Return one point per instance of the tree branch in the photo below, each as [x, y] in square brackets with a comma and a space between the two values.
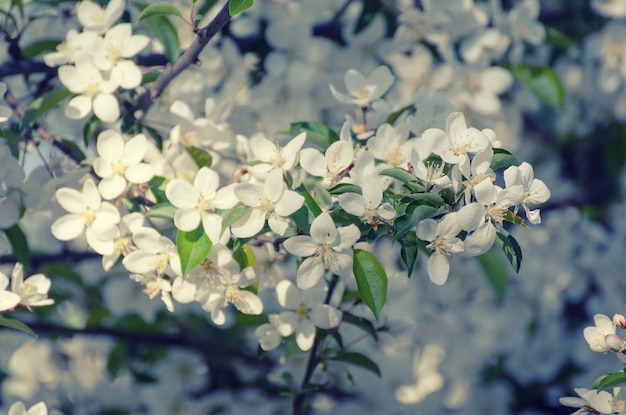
[189, 57]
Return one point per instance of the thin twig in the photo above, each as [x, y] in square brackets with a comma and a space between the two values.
[42, 131]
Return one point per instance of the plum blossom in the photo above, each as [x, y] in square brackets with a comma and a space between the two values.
[95, 18]
[114, 51]
[274, 157]
[8, 299]
[595, 335]
[155, 253]
[391, 144]
[327, 249]
[444, 241]
[337, 158]
[271, 201]
[457, 142]
[197, 203]
[307, 312]
[94, 92]
[119, 162]
[535, 190]
[33, 291]
[590, 401]
[362, 91]
[88, 213]
[368, 206]
[18, 408]
[483, 217]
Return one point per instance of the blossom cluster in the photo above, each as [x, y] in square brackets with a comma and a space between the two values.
[95, 63]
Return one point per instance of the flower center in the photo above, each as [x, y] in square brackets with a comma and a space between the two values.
[88, 216]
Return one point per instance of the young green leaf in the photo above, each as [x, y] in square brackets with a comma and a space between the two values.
[165, 31]
[317, 133]
[42, 105]
[342, 188]
[37, 48]
[17, 325]
[612, 380]
[193, 247]
[510, 247]
[360, 360]
[371, 280]
[543, 81]
[502, 159]
[245, 256]
[201, 157]
[162, 210]
[237, 6]
[159, 9]
[409, 247]
[19, 243]
[495, 272]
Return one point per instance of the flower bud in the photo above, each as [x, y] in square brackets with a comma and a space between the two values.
[615, 342]
[619, 320]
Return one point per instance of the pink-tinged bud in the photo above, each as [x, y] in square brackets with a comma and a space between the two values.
[615, 342]
[619, 320]
[622, 357]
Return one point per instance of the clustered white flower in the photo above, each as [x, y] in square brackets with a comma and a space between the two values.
[96, 62]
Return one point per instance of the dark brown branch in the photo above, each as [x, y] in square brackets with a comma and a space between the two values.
[189, 57]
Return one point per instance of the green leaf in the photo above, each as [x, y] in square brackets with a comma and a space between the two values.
[342, 188]
[371, 280]
[495, 271]
[393, 117]
[37, 48]
[237, 6]
[502, 159]
[159, 9]
[409, 247]
[90, 129]
[401, 174]
[510, 247]
[245, 257]
[317, 133]
[543, 81]
[612, 380]
[166, 33]
[17, 325]
[303, 218]
[42, 105]
[19, 243]
[232, 214]
[360, 322]
[162, 210]
[193, 247]
[360, 360]
[310, 202]
[557, 38]
[201, 157]
[70, 147]
[406, 223]
[149, 77]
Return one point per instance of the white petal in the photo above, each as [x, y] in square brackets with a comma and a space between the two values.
[302, 246]
[78, 107]
[286, 323]
[313, 162]
[289, 203]
[106, 107]
[310, 272]
[471, 216]
[288, 295]
[353, 203]
[187, 219]
[325, 316]
[438, 268]
[479, 241]
[68, 227]
[305, 335]
[323, 229]
[181, 194]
